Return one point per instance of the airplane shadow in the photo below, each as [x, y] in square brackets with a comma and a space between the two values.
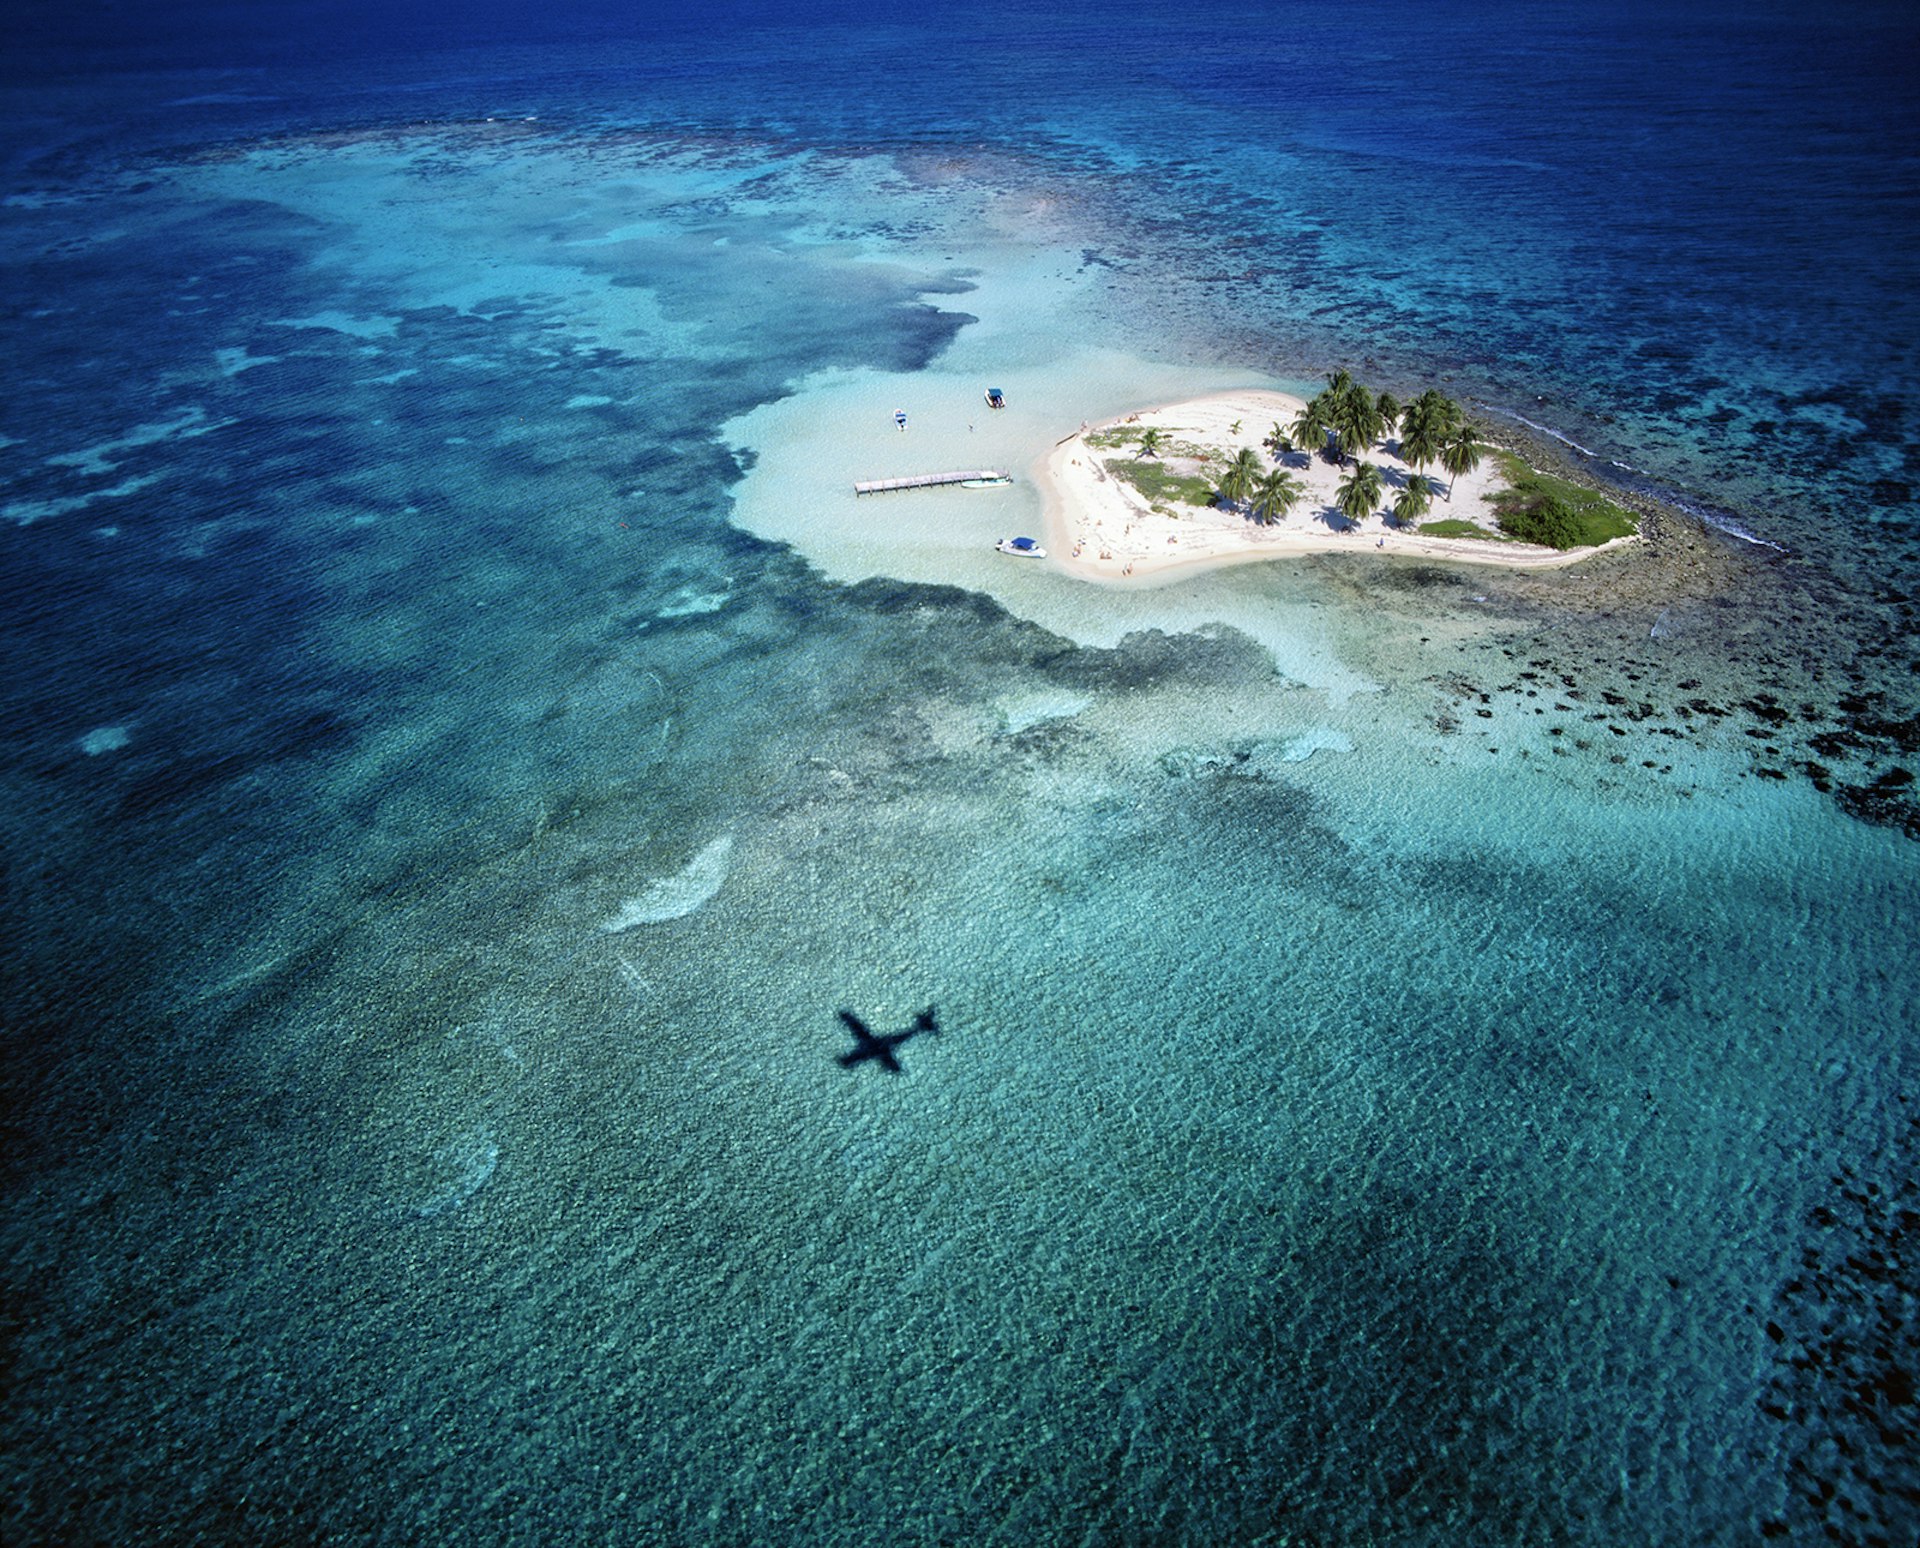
[879, 1046]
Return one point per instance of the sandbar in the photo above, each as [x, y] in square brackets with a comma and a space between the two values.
[1100, 527]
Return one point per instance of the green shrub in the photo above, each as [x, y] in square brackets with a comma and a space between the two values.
[1545, 520]
[1540, 508]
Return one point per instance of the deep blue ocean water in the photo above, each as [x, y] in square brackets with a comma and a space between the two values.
[438, 841]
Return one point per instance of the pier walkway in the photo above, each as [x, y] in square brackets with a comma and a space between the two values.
[926, 480]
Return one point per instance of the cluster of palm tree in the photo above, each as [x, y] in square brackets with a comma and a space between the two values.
[1360, 493]
[1432, 429]
[1270, 492]
[1345, 419]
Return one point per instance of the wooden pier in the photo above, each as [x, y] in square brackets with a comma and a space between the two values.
[927, 480]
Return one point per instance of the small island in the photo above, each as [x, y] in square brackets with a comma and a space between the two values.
[1256, 474]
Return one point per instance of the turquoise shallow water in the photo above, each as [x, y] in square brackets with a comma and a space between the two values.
[1406, 1072]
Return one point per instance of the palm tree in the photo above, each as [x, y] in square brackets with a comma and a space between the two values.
[1329, 400]
[1426, 424]
[1310, 426]
[1150, 441]
[1359, 495]
[1357, 419]
[1389, 407]
[1276, 494]
[1438, 406]
[1417, 426]
[1461, 453]
[1414, 500]
[1277, 441]
[1242, 473]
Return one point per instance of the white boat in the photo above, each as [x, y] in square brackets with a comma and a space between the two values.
[1021, 547]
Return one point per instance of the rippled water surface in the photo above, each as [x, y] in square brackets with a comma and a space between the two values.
[1396, 1054]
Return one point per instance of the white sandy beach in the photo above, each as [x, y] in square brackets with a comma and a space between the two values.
[1099, 527]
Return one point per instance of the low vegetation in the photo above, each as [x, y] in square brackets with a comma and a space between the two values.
[1539, 508]
[1163, 486]
[1453, 527]
[1152, 441]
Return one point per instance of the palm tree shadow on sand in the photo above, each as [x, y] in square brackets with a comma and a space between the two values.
[879, 1046]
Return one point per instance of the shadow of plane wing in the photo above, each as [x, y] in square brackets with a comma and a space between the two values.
[879, 1047]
